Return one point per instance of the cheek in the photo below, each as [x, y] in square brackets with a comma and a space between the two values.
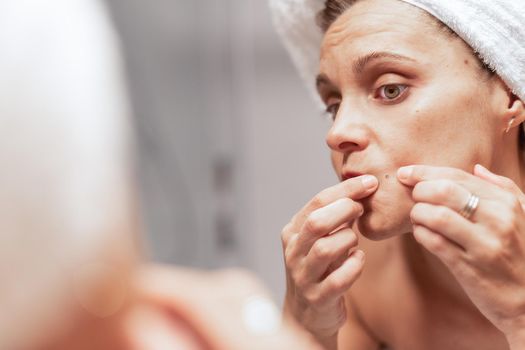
[444, 130]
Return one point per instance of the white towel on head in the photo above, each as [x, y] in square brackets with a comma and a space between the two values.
[493, 28]
[295, 22]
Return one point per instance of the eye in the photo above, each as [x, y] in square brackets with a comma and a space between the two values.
[392, 91]
[332, 110]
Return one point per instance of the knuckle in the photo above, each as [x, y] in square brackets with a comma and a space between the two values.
[459, 175]
[514, 203]
[319, 199]
[507, 183]
[349, 240]
[494, 250]
[289, 256]
[444, 190]
[417, 211]
[419, 190]
[315, 223]
[284, 240]
[442, 216]
[437, 244]
[288, 236]
[505, 224]
[285, 234]
[346, 201]
[505, 228]
[349, 203]
[434, 243]
[289, 252]
[321, 250]
[298, 278]
[335, 285]
[286, 229]
[314, 297]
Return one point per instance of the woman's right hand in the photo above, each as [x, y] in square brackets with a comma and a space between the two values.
[321, 260]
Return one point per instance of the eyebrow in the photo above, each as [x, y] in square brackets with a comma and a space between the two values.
[360, 64]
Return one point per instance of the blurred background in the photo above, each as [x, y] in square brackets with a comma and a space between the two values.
[230, 143]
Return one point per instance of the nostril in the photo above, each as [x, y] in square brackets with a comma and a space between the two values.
[347, 145]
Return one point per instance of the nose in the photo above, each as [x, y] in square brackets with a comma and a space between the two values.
[348, 133]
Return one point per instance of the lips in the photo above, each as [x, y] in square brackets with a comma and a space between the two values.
[350, 174]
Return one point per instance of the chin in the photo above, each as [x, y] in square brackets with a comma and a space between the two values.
[387, 214]
[373, 227]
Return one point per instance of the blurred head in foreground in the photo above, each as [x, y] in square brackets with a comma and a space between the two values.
[65, 194]
[69, 264]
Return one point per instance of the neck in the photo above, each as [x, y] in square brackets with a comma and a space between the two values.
[433, 278]
[509, 161]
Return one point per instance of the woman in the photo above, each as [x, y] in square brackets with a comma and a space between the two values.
[426, 140]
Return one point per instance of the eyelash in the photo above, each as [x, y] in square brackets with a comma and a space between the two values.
[401, 94]
[332, 109]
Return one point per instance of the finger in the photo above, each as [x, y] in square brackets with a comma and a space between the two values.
[325, 220]
[446, 222]
[438, 245]
[329, 250]
[411, 175]
[286, 234]
[500, 181]
[355, 188]
[339, 261]
[339, 281]
[449, 194]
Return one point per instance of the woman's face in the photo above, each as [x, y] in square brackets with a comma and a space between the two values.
[402, 92]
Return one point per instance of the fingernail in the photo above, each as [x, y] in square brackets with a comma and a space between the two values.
[483, 169]
[369, 182]
[404, 173]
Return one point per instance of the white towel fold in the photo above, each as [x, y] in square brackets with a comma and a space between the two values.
[493, 28]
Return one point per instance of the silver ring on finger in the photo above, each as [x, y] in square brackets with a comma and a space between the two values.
[471, 206]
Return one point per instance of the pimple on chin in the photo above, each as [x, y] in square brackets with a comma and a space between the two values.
[385, 177]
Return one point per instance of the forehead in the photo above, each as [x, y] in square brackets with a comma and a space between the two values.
[382, 25]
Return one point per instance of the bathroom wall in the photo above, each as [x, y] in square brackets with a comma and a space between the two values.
[230, 144]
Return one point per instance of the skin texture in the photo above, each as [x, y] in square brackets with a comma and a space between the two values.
[428, 271]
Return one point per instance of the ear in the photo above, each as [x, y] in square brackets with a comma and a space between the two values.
[516, 110]
[510, 106]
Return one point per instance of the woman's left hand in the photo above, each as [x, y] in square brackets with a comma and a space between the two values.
[486, 253]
